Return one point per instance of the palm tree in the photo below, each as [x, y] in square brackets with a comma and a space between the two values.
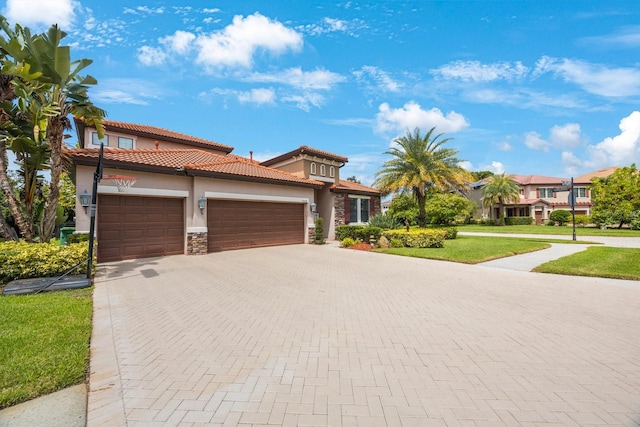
[421, 165]
[48, 88]
[500, 189]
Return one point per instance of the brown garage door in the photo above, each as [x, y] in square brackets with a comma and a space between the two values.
[241, 224]
[131, 227]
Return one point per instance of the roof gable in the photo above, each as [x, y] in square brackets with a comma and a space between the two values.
[303, 149]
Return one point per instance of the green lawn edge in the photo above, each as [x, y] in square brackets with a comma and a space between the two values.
[45, 343]
[597, 261]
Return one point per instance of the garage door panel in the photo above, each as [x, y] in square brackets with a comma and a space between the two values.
[244, 224]
[131, 227]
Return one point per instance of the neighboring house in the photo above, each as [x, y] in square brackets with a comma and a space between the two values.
[193, 196]
[385, 205]
[538, 197]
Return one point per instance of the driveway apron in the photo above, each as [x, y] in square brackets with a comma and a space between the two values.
[318, 335]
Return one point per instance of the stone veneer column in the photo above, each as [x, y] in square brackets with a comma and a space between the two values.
[312, 235]
[338, 204]
[197, 244]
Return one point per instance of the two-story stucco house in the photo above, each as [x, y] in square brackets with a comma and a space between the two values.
[193, 196]
[539, 196]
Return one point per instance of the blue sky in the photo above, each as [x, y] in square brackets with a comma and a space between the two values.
[526, 87]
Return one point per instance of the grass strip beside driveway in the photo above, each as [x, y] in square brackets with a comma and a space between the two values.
[45, 343]
[565, 230]
[472, 249]
[597, 261]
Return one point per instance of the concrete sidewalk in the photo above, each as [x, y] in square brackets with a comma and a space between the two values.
[64, 408]
[530, 260]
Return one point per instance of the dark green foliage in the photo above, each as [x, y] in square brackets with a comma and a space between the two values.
[358, 232]
[384, 221]
[560, 216]
[518, 220]
[445, 208]
[418, 238]
[616, 199]
[78, 238]
[404, 208]
[319, 236]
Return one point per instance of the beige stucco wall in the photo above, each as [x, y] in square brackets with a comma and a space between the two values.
[191, 189]
[140, 142]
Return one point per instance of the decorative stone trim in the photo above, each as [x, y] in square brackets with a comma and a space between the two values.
[311, 233]
[338, 204]
[197, 243]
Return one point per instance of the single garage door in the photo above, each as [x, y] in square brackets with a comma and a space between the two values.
[241, 224]
[131, 227]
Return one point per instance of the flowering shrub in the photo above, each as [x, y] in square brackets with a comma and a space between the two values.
[21, 260]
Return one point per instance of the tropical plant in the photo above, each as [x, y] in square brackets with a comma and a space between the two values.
[421, 165]
[41, 87]
[384, 221]
[319, 231]
[404, 209]
[500, 189]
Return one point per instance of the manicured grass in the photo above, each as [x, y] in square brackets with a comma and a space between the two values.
[543, 229]
[472, 249]
[44, 343]
[597, 261]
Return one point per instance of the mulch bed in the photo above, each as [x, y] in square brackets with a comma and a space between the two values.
[361, 247]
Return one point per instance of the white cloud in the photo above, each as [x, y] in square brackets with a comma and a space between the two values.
[41, 12]
[535, 142]
[628, 37]
[151, 55]
[126, 91]
[622, 149]
[465, 164]
[305, 100]
[258, 96]
[237, 43]
[381, 79]
[309, 80]
[475, 71]
[180, 42]
[332, 25]
[523, 98]
[593, 78]
[566, 136]
[503, 146]
[411, 115]
[495, 167]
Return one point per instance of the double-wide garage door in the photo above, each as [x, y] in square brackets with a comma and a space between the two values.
[131, 227]
[241, 224]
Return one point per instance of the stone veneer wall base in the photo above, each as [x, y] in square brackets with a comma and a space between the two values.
[197, 244]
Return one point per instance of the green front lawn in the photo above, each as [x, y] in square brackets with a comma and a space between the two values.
[472, 249]
[597, 261]
[44, 343]
[566, 230]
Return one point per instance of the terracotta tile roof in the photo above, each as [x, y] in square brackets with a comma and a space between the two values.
[347, 186]
[537, 180]
[303, 149]
[159, 133]
[246, 168]
[600, 173]
[174, 159]
[189, 159]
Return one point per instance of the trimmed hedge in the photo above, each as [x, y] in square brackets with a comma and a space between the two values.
[21, 260]
[358, 232]
[452, 232]
[420, 238]
[77, 238]
[518, 220]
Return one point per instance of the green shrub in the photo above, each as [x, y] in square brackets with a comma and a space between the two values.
[486, 221]
[348, 242]
[420, 238]
[358, 232]
[583, 220]
[21, 260]
[550, 223]
[451, 232]
[319, 236]
[518, 220]
[396, 243]
[78, 238]
[635, 221]
[560, 216]
[384, 221]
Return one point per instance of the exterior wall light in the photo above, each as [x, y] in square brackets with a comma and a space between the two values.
[202, 203]
[312, 206]
[85, 200]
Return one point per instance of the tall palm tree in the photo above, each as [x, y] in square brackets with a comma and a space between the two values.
[500, 189]
[419, 165]
[48, 88]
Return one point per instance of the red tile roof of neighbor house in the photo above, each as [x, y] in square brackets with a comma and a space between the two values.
[348, 186]
[156, 132]
[600, 173]
[189, 160]
[302, 150]
[537, 180]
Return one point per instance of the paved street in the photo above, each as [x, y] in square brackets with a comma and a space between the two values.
[317, 335]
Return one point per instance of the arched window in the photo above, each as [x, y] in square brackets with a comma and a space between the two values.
[332, 171]
[313, 168]
[323, 170]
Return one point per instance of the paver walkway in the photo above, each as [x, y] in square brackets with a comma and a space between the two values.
[308, 335]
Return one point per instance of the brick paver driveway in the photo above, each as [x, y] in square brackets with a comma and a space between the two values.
[308, 335]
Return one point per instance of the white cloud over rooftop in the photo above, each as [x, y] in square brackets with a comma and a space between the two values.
[411, 115]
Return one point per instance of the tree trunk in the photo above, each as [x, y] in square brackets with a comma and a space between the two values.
[24, 225]
[422, 213]
[501, 212]
[55, 131]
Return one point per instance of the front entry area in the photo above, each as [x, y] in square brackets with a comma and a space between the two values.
[235, 224]
[131, 227]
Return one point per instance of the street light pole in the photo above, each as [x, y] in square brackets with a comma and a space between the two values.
[572, 199]
[97, 176]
